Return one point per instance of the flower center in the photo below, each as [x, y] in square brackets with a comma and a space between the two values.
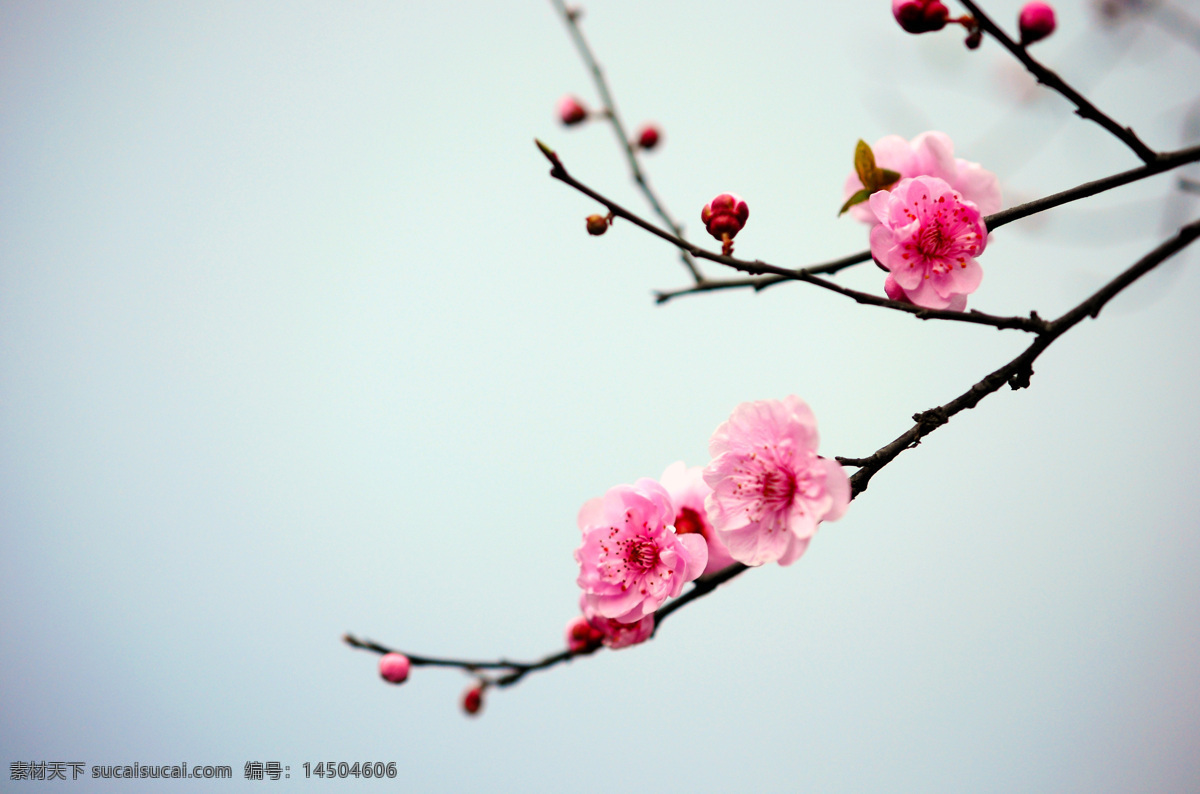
[778, 488]
[688, 521]
[931, 240]
[644, 553]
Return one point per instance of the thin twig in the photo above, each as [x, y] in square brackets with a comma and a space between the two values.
[1046, 77]
[1031, 324]
[610, 110]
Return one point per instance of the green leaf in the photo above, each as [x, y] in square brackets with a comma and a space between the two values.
[857, 198]
[887, 178]
[864, 163]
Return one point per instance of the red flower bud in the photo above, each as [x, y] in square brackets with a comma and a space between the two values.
[571, 110]
[1036, 21]
[725, 215]
[648, 137]
[597, 224]
[920, 16]
[472, 700]
[394, 667]
[582, 637]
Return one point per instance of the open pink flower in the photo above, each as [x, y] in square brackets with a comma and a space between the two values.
[770, 488]
[631, 559]
[688, 490]
[929, 154]
[928, 237]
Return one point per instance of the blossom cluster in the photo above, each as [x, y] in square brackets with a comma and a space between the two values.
[758, 501]
[927, 227]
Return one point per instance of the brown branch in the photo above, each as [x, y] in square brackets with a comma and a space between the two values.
[1018, 372]
[571, 19]
[1046, 77]
[758, 268]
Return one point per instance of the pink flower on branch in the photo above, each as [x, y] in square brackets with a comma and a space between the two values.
[929, 154]
[928, 237]
[770, 488]
[631, 560]
[688, 490]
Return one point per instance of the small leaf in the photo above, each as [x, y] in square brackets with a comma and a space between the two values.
[857, 198]
[887, 178]
[864, 163]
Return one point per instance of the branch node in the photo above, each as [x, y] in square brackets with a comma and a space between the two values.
[1020, 379]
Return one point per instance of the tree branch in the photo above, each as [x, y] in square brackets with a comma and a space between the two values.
[1046, 77]
[571, 19]
[1018, 372]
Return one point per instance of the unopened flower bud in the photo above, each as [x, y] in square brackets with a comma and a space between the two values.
[648, 137]
[974, 39]
[394, 667]
[571, 110]
[472, 700]
[920, 16]
[582, 637]
[725, 215]
[597, 224]
[1036, 21]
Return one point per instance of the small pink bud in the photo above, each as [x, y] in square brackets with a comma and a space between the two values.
[920, 16]
[571, 110]
[582, 637]
[394, 667]
[1036, 21]
[472, 700]
[648, 137]
[725, 215]
[597, 224]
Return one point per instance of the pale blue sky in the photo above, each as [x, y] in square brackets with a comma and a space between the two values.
[297, 337]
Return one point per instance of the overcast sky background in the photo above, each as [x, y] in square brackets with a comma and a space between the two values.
[297, 337]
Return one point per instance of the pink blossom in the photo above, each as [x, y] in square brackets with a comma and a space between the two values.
[928, 237]
[929, 154]
[631, 559]
[688, 490]
[770, 488]
[958, 302]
